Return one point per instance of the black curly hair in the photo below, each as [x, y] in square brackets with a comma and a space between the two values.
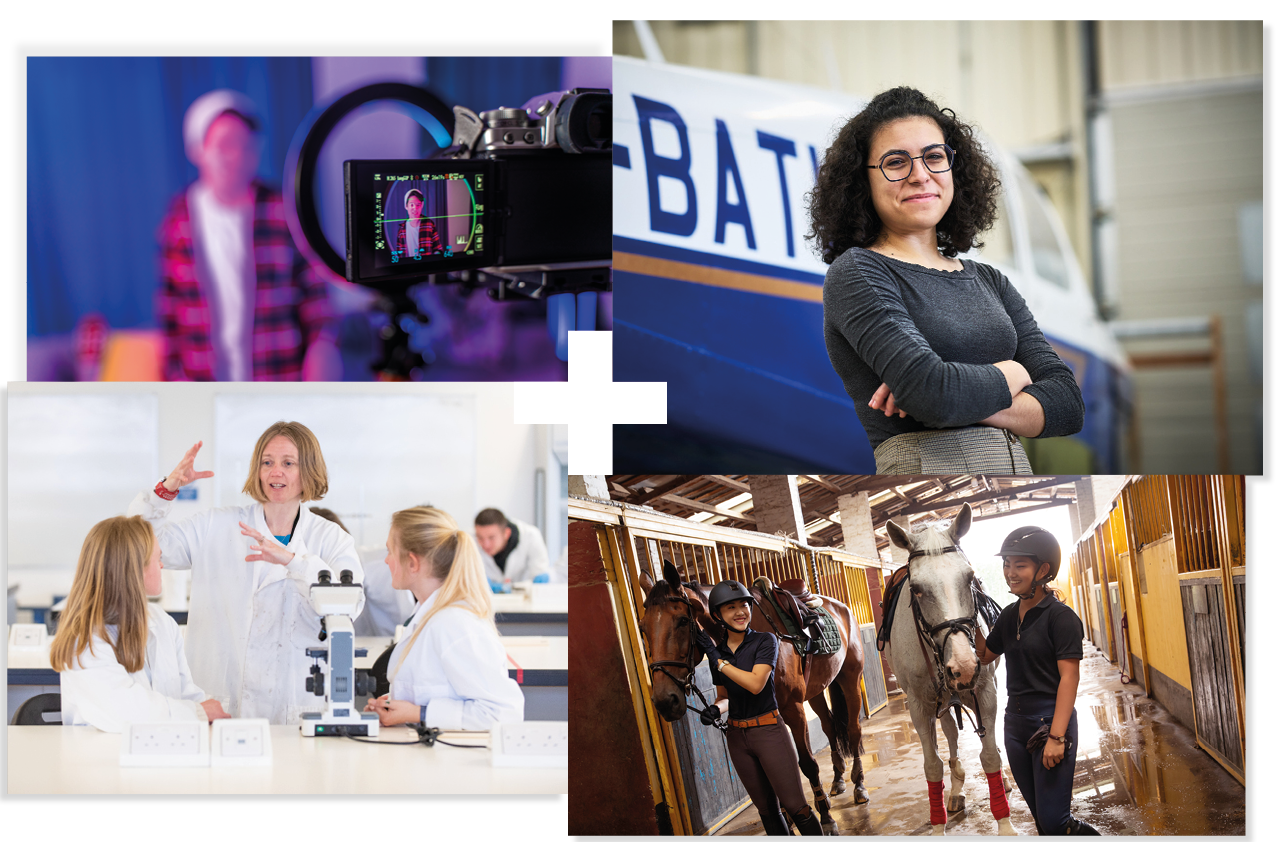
[840, 204]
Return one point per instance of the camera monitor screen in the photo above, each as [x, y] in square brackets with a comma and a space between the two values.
[416, 217]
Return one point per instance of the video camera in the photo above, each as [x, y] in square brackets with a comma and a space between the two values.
[520, 202]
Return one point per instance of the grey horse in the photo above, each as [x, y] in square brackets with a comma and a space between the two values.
[932, 651]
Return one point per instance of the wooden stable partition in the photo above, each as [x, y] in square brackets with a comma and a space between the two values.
[1161, 587]
[689, 785]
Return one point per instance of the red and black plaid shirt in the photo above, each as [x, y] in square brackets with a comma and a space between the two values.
[290, 307]
[427, 239]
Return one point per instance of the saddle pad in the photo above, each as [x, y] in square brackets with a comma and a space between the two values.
[830, 641]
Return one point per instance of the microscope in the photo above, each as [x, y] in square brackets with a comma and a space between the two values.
[339, 684]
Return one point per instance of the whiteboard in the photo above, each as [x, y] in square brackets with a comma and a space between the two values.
[384, 453]
[73, 461]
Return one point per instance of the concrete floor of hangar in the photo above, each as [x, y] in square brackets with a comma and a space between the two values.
[1139, 772]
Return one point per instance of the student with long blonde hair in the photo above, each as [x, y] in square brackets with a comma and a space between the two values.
[121, 658]
[449, 671]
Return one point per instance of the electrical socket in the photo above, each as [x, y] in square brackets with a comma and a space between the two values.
[27, 635]
[543, 744]
[165, 744]
[241, 742]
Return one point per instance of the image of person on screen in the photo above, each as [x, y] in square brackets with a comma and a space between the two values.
[236, 301]
[417, 236]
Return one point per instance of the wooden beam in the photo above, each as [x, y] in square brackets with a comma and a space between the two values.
[728, 482]
[705, 507]
[932, 506]
[1021, 511]
[679, 483]
[826, 484]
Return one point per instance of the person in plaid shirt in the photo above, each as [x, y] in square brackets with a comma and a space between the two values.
[427, 240]
[236, 299]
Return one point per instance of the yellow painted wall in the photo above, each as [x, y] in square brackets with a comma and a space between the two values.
[1131, 592]
[1164, 615]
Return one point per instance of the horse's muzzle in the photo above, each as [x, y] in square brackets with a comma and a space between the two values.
[670, 706]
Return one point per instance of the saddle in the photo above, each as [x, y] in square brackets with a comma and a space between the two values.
[891, 594]
[799, 609]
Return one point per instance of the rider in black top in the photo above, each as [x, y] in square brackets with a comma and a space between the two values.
[1043, 641]
[759, 742]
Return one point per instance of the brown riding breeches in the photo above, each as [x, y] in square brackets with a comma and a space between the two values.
[768, 763]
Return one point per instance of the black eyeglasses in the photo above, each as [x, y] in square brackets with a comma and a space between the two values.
[897, 166]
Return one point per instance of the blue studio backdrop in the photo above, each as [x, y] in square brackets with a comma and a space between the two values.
[105, 158]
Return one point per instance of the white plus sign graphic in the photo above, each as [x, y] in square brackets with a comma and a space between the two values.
[590, 402]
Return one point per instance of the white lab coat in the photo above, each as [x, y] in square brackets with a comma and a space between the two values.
[250, 622]
[529, 558]
[457, 668]
[385, 608]
[97, 690]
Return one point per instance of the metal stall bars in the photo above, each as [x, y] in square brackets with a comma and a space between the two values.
[847, 578]
[1207, 521]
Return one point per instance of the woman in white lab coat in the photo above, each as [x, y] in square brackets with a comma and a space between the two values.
[450, 670]
[250, 617]
[121, 658]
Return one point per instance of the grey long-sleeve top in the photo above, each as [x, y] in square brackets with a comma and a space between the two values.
[933, 336]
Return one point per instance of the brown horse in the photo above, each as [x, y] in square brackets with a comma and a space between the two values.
[671, 610]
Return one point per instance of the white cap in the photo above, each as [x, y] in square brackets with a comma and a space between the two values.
[208, 108]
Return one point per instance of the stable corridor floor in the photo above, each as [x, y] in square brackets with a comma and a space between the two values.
[1139, 773]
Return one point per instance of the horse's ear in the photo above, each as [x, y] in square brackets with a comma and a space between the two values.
[694, 596]
[897, 535]
[645, 582]
[671, 575]
[962, 523]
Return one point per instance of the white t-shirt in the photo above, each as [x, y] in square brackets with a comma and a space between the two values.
[411, 234]
[225, 237]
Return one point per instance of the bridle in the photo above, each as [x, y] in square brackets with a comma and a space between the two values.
[687, 664]
[966, 625]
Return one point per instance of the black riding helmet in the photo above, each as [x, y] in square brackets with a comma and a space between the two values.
[1037, 543]
[727, 591]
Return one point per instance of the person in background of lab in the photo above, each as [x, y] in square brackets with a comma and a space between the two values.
[417, 236]
[449, 671]
[250, 623]
[120, 657]
[513, 550]
[236, 300]
[384, 608]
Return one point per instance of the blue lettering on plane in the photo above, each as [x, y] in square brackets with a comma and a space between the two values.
[781, 147]
[679, 169]
[737, 213]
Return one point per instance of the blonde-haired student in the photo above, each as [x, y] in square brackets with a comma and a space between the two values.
[121, 659]
[449, 671]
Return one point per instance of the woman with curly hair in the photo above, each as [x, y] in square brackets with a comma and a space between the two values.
[942, 356]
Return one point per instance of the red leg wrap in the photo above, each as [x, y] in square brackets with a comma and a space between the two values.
[936, 798]
[998, 798]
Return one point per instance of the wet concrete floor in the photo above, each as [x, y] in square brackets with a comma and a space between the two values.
[1139, 772]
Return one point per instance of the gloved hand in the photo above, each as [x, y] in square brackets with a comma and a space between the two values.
[710, 716]
[541, 578]
[706, 642]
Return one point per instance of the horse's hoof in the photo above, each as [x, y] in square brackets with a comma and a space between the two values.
[938, 830]
[957, 803]
[829, 828]
[1005, 827]
[859, 795]
[838, 788]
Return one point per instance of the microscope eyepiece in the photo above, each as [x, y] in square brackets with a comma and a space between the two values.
[348, 578]
[325, 577]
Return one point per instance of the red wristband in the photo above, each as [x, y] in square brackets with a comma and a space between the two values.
[163, 493]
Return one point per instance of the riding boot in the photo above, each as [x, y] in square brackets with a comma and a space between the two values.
[809, 825]
[1078, 827]
[775, 825]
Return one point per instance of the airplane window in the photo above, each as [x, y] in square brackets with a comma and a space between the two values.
[1049, 261]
